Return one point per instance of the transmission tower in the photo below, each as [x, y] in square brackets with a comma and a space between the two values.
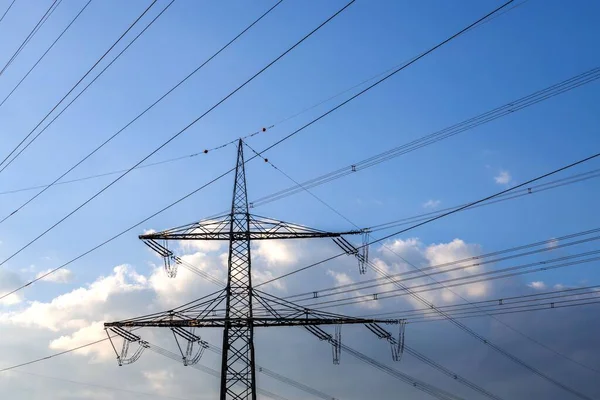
[239, 308]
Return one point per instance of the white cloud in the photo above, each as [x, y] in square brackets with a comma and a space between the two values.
[421, 256]
[61, 276]
[72, 309]
[205, 246]
[8, 282]
[503, 178]
[159, 380]
[432, 203]
[559, 286]
[342, 278]
[277, 253]
[537, 285]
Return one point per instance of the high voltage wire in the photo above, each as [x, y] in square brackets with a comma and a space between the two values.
[198, 153]
[468, 280]
[95, 385]
[508, 300]
[554, 243]
[230, 170]
[576, 163]
[484, 340]
[7, 10]
[413, 352]
[6, 162]
[488, 116]
[593, 299]
[37, 26]
[179, 133]
[90, 154]
[450, 317]
[295, 189]
[378, 282]
[45, 52]
[576, 178]
[500, 304]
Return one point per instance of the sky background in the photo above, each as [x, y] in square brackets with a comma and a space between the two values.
[535, 45]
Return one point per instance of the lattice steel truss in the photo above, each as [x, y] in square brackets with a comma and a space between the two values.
[233, 308]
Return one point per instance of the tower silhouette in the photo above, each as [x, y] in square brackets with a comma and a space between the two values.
[234, 308]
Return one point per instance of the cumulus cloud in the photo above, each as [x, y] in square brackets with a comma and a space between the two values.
[9, 281]
[277, 253]
[413, 253]
[503, 178]
[366, 301]
[74, 308]
[61, 276]
[432, 203]
[537, 285]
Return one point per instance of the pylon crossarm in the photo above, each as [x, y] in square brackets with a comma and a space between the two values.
[259, 228]
[200, 308]
[279, 320]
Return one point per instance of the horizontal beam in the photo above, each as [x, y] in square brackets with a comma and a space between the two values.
[252, 235]
[242, 322]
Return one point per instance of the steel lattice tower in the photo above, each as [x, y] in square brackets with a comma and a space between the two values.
[238, 316]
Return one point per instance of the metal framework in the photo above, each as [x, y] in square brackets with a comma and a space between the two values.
[239, 308]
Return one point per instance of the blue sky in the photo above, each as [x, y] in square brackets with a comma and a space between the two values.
[529, 48]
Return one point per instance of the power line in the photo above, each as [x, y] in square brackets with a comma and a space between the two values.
[479, 309]
[45, 52]
[4, 162]
[480, 119]
[148, 156]
[379, 282]
[486, 341]
[274, 196]
[95, 385]
[244, 137]
[413, 352]
[39, 24]
[584, 160]
[466, 280]
[177, 134]
[7, 10]
[534, 189]
[226, 172]
[90, 154]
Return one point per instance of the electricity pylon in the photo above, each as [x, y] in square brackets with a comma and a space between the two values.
[233, 308]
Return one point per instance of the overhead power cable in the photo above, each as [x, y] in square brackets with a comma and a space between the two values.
[550, 263]
[508, 300]
[543, 246]
[507, 109]
[486, 341]
[6, 162]
[464, 280]
[152, 153]
[183, 157]
[7, 10]
[488, 116]
[421, 357]
[104, 143]
[524, 184]
[534, 189]
[37, 26]
[45, 52]
[224, 173]
[450, 317]
[98, 386]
